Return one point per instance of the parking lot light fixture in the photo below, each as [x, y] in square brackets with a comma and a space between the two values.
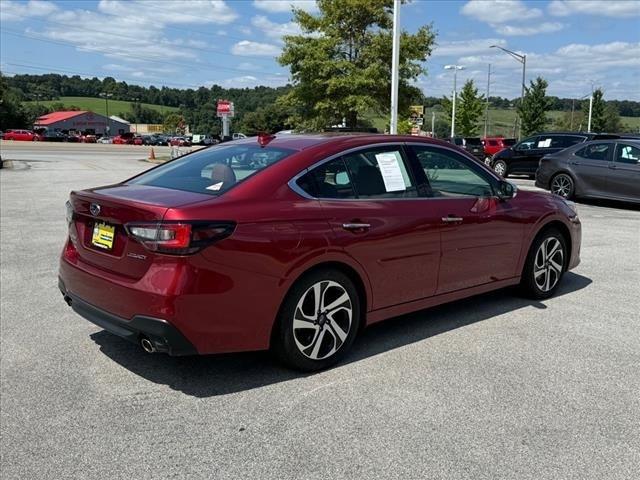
[455, 69]
[106, 97]
[523, 60]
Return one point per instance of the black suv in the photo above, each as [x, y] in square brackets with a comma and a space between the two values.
[523, 158]
[473, 145]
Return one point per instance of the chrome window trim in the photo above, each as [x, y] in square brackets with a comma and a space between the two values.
[294, 186]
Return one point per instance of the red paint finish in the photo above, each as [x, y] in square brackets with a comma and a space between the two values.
[226, 296]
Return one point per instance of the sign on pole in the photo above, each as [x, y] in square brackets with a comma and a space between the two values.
[225, 108]
[416, 114]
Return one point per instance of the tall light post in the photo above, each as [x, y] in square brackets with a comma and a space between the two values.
[395, 63]
[106, 97]
[455, 69]
[523, 60]
[137, 100]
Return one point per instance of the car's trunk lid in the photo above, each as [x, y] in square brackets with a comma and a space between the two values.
[105, 211]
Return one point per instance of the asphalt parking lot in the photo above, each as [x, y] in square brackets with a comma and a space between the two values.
[491, 387]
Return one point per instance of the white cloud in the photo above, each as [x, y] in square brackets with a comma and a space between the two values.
[520, 30]
[275, 30]
[13, 11]
[285, 6]
[249, 48]
[500, 11]
[606, 8]
[466, 47]
[509, 17]
[247, 66]
[184, 11]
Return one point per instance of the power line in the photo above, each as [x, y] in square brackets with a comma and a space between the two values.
[111, 52]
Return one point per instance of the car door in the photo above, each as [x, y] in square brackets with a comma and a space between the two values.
[481, 236]
[590, 166]
[522, 156]
[624, 173]
[370, 199]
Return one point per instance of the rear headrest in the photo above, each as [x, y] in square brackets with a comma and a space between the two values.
[221, 173]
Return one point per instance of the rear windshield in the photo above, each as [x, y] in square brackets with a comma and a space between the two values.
[472, 141]
[212, 170]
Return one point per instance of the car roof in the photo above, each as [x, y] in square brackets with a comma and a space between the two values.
[304, 141]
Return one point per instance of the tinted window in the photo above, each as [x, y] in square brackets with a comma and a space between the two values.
[476, 142]
[509, 142]
[329, 180]
[527, 144]
[212, 170]
[595, 151]
[570, 140]
[493, 143]
[380, 173]
[449, 174]
[628, 154]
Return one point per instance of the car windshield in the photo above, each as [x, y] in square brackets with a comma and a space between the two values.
[212, 170]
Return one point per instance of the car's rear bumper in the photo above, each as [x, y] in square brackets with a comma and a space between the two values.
[164, 336]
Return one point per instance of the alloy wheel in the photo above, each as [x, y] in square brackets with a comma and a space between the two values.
[562, 185]
[322, 320]
[548, 264]
[500, 168]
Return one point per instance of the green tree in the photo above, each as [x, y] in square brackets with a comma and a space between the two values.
[172, 122]
[469, 108]
[12, 115]
[268, 119]
[341, 63]
[612, 121]
[533, 111]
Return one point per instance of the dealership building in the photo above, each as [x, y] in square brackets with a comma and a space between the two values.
[81, 121]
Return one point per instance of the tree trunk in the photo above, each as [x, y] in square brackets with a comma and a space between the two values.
[352, 119]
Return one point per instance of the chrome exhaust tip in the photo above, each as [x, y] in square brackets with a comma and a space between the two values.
[147, 346]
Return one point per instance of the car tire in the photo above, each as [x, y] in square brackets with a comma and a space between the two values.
[310, 339]
[545, 265]
[563, 185]
[501, 168]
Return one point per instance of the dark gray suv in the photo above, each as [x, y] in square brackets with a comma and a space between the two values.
[597, 169]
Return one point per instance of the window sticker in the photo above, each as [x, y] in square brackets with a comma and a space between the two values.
[390, 170]
[215, 186]
[546, 143]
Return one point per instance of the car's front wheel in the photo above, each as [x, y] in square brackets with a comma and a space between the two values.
[318, 321]
[500, 167]
[545, 265]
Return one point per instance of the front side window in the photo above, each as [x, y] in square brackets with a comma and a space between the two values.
[451, 175]
[212, 170]
[380, 173]
[595, 151]
[628, 154]
[527, 144]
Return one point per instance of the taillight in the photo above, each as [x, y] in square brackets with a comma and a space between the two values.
[179, 238]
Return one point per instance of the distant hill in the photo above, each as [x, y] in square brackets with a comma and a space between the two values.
[97, 105]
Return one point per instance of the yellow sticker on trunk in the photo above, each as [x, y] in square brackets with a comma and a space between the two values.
[103, 235]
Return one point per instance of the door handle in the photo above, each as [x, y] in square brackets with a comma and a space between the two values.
[452, 219]
[356, 226]
[574, 163]
[613, 167]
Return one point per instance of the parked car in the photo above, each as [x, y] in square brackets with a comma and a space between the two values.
[597, 169]
[523, 158]
[493, 145]
[238, 136]
[20, 135]
[137, 140]
[88, 138]
[179, 142]
[53, 136]
[161, 140]
[473, 145]
[321, 236]
[105, 140]
[123, 139]
[74, 137]
[203, 140]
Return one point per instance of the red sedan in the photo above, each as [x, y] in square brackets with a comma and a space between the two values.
[21, 135]
[296, 242]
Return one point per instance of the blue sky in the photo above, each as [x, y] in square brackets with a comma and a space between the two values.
[574, 44]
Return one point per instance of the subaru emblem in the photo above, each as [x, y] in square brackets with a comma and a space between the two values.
[94, 208]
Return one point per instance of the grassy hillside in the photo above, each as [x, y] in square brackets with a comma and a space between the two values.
[501, 121]
[97, 105]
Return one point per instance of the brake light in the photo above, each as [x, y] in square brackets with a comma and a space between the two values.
[179, 238]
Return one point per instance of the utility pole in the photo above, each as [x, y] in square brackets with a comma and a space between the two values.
[590, 111]
[395, 63]
[523, 60]
[106, 102]
[433, 124]
[486, 108]
[455, 69]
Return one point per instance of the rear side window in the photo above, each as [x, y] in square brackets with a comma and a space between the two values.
[329, 180]
[212, 170]
[595, 151]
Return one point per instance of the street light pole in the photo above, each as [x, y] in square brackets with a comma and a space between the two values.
[590, 111]
[395, 63]
[106, 103]
[455, 69]
[523, 60]
[486, 107]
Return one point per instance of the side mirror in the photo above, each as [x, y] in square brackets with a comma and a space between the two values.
[507, 190]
